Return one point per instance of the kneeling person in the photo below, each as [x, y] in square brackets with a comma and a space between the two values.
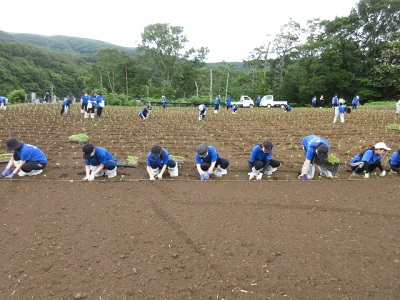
[28, 160]
[98, 162]
[158, 160]
[209, 162]
[261, 161]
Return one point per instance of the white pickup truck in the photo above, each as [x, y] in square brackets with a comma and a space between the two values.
[245, 101]
[268, 101]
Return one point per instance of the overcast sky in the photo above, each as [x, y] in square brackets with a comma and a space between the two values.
[230, 29]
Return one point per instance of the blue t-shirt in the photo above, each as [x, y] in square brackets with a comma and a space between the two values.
[314, 100]
[310, 143]
[202, 107]
[258, 100]
[369, 156]
[395, 158]
[143, 113]
[342, 109]
[65, 102]
[228, 101]
[335, 100]
[93, 100]
[102, 155]
[258, 154]
[164, 100]
[162, 160]
[31, 153]
[218, 100]
[212, 156]
[2, 99]
[100, 99]
[355, 101]
[85, 99]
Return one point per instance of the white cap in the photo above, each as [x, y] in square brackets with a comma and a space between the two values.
[381, 145]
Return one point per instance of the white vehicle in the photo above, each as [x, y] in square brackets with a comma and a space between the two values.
[268, 101]
[245, 101]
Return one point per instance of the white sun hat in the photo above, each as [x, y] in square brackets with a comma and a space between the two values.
[381, 145]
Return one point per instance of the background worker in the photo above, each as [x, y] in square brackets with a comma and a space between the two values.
[202, 109]
[84, 102]
[28, 160]
[368, 160]
[394, 162]
[209, 162]
[144, 113]
[98, 162]
[64, 107]
[314, 146]
[261, 161]
[158, 161]
[217, 103]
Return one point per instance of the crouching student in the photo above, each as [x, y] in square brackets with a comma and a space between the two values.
[144, 114]
[209, 162]
[202, 112]
[98, 162]
[368, 160]
[158, 161]
[28, 160]
[314, 146]
[64, 107]
[395, 162]
[261, 161]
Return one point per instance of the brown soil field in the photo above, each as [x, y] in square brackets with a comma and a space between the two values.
[182, 238]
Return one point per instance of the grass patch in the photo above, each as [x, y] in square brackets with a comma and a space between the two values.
[80, 138]
[393, 127]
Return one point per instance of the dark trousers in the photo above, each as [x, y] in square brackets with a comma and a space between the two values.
[222, 162]
[171, 164]
[395, 168]
[99, 111]
[367, 167]
[84, 106]
[110, 164]
[29, 165]
[260, 164]
[216, 107]
[63, 109]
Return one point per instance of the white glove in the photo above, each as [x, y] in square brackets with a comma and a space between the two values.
[86, 178]
[259, 176]
[251, 175]
[383, 173]
[366, 175]
[91, 177]
[159, 176]
[152, 177]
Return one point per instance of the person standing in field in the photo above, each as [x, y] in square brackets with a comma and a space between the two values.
[394, 162]
[209, 162]
[84, 102]
[228, 102]
[321, 101]
[314, 146]
[202, 112]
[314, 102]
[158, 161]
[2, 103]
[91, 106]
[28, 160]
[398, 109]
[100, 103]
[368, 160]
[164, 102]
[355, 102]
[217, 103]
[261, 161]
[335, 101]
[98, 162]
[258, 101]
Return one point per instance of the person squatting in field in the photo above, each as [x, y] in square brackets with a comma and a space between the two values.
[394, 162]
[217, 103]
[98, 162]
[158, 160]
[261, 161]
[84, 102]
[368, 160]
[28, 160]
[314, 146]
[64, 107]
[235, 109]
[144, 113]
[209, 162]
[340, 111]
[91, 106]
[202, 109]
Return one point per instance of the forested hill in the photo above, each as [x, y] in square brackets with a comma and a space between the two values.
[61, 43]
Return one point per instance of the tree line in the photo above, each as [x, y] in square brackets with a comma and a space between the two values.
[354, 55]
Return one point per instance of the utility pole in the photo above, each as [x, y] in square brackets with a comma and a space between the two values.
[52, 94]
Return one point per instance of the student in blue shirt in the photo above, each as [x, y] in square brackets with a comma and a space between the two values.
[209, 162]
[92, 103]
[144, 113]
[84, 102]
[98, 162]
[100, 103]
[235, 109]
[202, 108]
[258, 101]
[339, 112]
[288, 108]
[395, 162]
[261, 161]
[228, 103]
[164, 102]
[28, 160]
[355, 102]
[158, 161]
[3, 103]
[64, 107]
[335, 101]
[368, 160]
[217, 103]
[314, 146]
[314, 101]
